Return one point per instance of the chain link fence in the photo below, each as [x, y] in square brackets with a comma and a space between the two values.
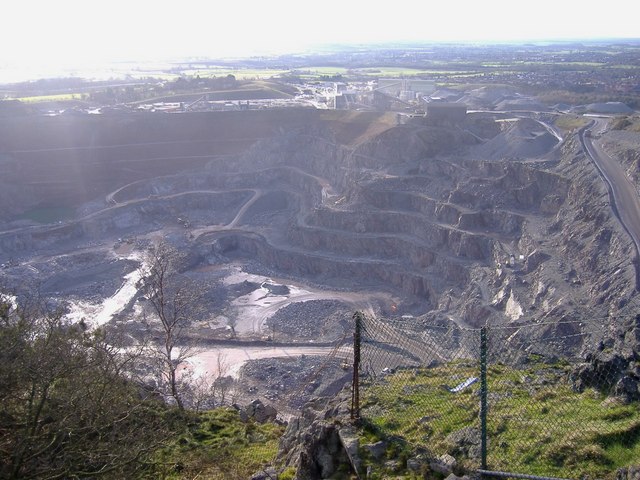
[503, 401]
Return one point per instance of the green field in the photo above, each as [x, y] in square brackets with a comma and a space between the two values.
[62, 97]
[240, 73]
[571, 122]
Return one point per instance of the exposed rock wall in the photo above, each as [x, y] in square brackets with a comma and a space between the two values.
[414, 209]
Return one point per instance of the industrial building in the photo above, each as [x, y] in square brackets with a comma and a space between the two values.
[406, 89]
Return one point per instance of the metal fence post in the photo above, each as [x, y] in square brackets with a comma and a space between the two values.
[355, 386]
[483, 397]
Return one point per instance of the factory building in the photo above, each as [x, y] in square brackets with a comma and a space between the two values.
[405, 88]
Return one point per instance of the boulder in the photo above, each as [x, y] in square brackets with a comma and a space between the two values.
[316, 447]
[628, 473]
[268, 473]
[259, 412]
[453, 476]
[627, 388]
[376, 450]
[465, 442]
[602, 371]
[414, 464]
[443, 464]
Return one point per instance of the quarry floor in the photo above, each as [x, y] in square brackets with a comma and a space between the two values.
[286, 250]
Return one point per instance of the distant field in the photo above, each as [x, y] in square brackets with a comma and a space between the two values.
[240, 74]
[52, 98]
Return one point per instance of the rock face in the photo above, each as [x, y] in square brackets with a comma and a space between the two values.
[358, 202]
[613, 367]
[314, 446]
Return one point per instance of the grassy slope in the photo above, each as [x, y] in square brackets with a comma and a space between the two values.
[537, 424]
[217, 445]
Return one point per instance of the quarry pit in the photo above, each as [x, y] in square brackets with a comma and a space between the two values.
[294, 219]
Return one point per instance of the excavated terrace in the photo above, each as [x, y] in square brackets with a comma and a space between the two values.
[392, 215]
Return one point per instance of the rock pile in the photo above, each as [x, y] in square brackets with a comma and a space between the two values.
[257, 411]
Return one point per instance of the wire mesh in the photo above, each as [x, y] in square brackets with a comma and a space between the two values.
[552, 408]
[421, 383]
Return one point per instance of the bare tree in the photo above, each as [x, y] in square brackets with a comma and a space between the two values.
[174, 302]
[232, 323]
[221, 382]
[210, 390]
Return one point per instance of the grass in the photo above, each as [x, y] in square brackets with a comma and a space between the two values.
[240, 74]
[536, 425]
[46, 215]
[218, 446]
[571, 122]
[62, 97]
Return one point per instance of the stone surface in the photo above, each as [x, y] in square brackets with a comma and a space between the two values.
[268, 473]
[393, 465]
[443, 464]
[376, 450]
[259, 412]
[628, 473]
[414, 464]
[465, 442]
[350, 442]
[453, 476]
[313, 443]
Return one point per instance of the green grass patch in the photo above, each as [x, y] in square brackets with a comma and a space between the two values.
[240, 74]
[218, 445]
[571, 122]
[61, 97]
[47, 215]
[537, 424]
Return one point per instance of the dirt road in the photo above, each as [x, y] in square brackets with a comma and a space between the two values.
[624, 197]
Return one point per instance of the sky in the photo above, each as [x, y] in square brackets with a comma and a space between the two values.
[46, 34]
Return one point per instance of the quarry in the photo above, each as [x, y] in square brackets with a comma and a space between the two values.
[294, 219]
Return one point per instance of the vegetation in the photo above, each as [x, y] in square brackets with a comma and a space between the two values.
[60, 97]
[49, 214]
[218, 445]
[571, 122]
[537, 424]
[73, 404]
[68, 408]
[631, 124]
[570, 97]
[174, 302]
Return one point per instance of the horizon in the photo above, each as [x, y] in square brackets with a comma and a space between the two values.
[121, 68]
[65, 36]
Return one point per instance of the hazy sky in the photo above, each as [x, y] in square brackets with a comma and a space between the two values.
[51, 33]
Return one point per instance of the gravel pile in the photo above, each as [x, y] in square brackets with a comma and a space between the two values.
[293, 381]
[320, 320]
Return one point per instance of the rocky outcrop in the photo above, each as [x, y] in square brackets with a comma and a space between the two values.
[414, 210]
[257, 411]
[614, 367]
[628, 473]
[312, 443]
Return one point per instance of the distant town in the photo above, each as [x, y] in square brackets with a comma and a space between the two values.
[397, 78]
